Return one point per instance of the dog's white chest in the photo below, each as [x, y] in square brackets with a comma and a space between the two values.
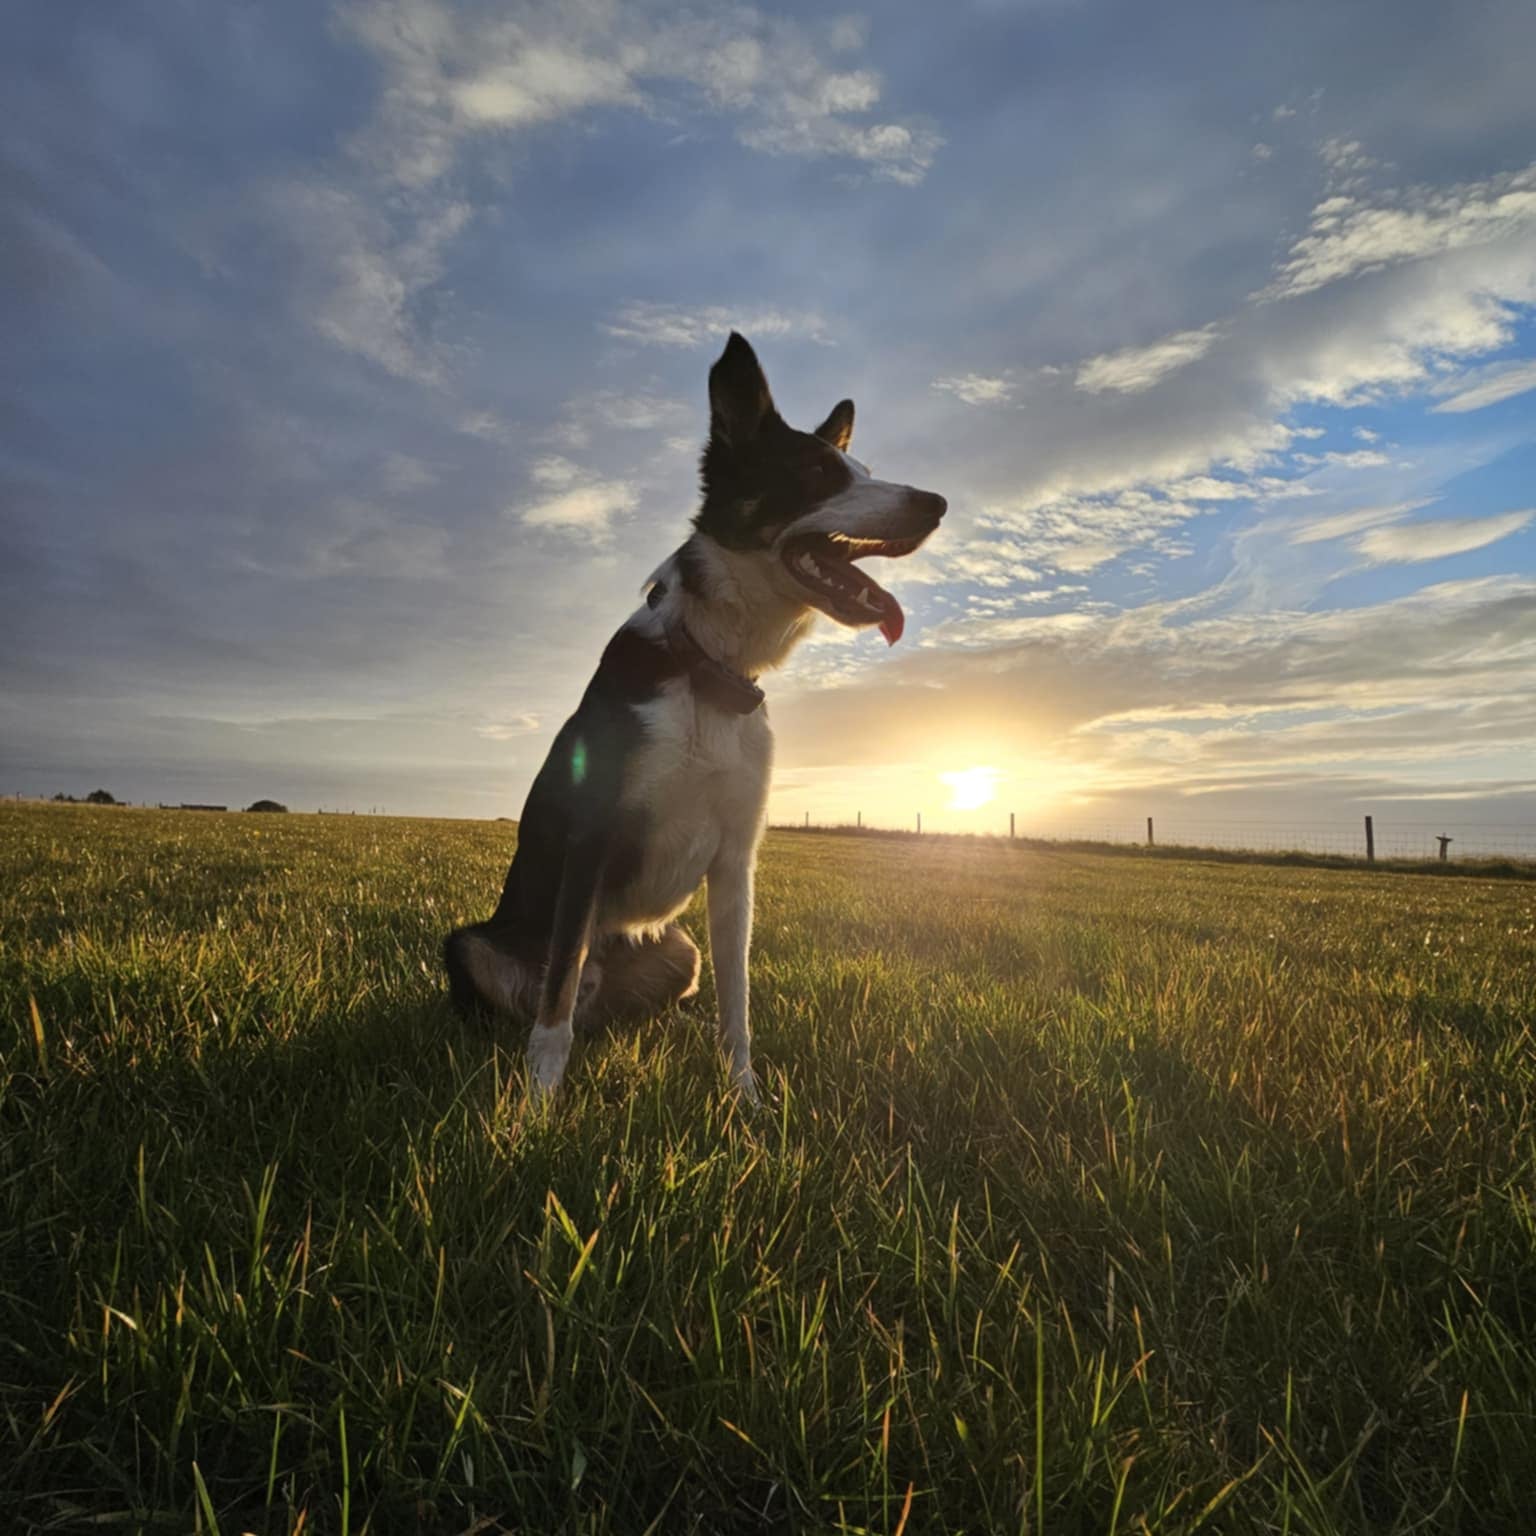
[701, 783]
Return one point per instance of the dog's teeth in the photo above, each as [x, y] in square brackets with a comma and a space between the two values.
[866, 600]
[809, 566]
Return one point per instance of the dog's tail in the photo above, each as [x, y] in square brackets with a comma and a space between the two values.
[484, 973]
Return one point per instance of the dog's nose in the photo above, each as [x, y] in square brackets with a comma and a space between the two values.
[929, 504]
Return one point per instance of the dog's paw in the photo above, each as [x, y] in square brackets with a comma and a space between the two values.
[549, 1048]
[744, 1081]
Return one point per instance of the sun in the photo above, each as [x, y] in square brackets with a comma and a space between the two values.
[970, 788]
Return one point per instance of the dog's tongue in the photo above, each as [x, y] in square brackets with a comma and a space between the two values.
[872, 595]
[876, 599]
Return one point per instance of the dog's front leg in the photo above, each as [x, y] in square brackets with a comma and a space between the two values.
[730, 939]
[549, 1045]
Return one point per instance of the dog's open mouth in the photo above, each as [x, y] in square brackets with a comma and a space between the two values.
[823, 564]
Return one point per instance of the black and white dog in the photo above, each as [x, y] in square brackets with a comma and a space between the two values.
[660, 778]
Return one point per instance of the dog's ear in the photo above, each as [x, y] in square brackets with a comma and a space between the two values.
[837, 429]
[739, 401]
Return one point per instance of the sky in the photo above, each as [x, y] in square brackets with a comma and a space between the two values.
[353, 381]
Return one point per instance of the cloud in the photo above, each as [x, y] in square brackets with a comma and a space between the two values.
[1350, 234]
[1338, 524]
[678, 325]
[353, 538]
[485, 425]
[374, 235]
[583, 504]
[1088, 477]
[976, 388]
[640, 411]
[454, 76]
[1209, 488]
[540, 84]
[1389, 334]
[1487, 386]
[1137, 368]
[1359, 458]
[363, 269]
[1078, 534]
[1437, 539]
[1165, 695]
[508, 730]
[555, 470]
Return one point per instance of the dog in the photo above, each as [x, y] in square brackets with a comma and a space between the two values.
[659, 781]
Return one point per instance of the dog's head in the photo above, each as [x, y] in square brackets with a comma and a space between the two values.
[798, 499]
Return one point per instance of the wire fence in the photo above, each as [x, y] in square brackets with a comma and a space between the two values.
[1374, 836]
[1369, 837]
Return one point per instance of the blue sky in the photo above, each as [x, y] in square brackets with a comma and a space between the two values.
[353, 381]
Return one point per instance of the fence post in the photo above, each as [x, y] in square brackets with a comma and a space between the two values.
[1370, 842]
[1010, 826]
[807, 818]
[859, 818]
[1150, 842]
[919, 823]
[1445, 843]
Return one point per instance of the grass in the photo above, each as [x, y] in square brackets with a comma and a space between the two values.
[1094, 1194]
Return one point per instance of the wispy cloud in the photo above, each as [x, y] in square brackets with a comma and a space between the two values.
[1339, 524]
[1435, 540]
[680, 325]
[1134, 369]
[508, 730]
[363, 267]
[1357, 458]
[976, 388]
[1357, 233]
[1481, 387]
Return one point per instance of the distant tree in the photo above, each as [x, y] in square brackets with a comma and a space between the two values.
[64, 799]
[100, 797]
[267, 805]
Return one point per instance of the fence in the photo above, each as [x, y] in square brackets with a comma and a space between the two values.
[1370, 837]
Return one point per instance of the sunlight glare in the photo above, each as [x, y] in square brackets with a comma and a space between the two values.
[970, 788]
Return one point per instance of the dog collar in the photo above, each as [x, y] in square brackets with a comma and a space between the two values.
[713, 681]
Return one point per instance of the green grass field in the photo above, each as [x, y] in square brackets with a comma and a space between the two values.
[1091, 1194]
